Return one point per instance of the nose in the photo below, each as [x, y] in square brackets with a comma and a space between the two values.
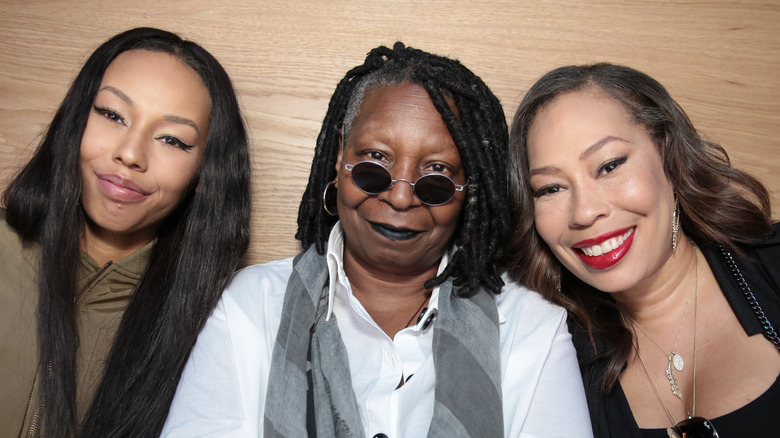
[401, 193]
[587, 206]
[131, 150]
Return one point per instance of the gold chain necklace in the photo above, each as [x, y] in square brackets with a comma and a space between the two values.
[692, 412]
[675, 359]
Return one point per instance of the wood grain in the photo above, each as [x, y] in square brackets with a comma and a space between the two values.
[719, 59]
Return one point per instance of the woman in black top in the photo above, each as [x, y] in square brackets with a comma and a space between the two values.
[662, 252]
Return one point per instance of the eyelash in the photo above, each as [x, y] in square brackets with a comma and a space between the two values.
[612, 165]
[607, 168]
[546, 190]
[109, 114]
[167, 139]
[434, 168]
[173, 141]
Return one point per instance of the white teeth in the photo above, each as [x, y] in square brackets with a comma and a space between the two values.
[607, 245]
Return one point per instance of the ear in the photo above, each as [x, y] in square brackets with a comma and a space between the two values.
[341, 153]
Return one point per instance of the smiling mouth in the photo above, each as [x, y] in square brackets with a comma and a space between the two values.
[607, 246]
[393, 233]
[606, 254]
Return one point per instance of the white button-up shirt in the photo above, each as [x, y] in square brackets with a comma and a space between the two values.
[222, 390]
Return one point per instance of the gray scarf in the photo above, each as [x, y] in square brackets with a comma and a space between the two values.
[310, 388]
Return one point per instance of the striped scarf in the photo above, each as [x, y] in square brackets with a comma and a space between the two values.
[310, 390]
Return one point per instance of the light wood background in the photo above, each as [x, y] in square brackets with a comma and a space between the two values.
[719, 59]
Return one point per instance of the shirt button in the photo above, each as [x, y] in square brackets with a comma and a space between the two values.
[380, 435]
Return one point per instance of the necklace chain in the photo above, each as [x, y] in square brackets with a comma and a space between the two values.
[675, 358]
[692, 413]
[679, 330]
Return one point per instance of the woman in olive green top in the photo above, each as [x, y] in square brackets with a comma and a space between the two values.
[118, 237]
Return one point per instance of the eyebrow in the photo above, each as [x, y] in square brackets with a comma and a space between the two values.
[119, 93]
[598, 145]
[182, 121]
[592, 149]
[168, 117]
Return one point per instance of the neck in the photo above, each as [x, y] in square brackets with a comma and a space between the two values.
[392, 299]
[660, 299]
[105, 247]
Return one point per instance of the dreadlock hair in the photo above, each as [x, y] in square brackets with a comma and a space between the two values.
[718, 203]
[478, 128]
[198, 246]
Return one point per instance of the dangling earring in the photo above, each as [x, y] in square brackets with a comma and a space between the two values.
[325, 198]
[675, 224]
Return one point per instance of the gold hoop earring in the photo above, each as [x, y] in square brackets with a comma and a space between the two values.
[675, 224]
[325, 198]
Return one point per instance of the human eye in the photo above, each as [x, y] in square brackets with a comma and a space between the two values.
[438, 168]
[549, 189]
[376, 156]
[109, 114]
[611, 165]
[175, 142]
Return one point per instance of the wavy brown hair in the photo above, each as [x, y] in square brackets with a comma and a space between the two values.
[718, 203]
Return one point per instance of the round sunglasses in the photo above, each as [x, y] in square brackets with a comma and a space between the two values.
[432, 188]
[694, 427]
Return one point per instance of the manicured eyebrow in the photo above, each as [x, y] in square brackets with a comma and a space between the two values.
[546, 170]
[182, 121]
[169, 117]
[598, 145]
[119, 93]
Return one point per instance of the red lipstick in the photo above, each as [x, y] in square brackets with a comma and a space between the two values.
[608, 259]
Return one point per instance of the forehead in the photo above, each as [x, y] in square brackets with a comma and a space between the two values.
[158, 81]
[579, 114]
[400, 114]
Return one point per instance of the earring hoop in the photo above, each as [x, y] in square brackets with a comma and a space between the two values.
[325, 198]
[675, 224]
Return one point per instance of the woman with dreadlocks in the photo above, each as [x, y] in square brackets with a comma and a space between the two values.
[392, 322]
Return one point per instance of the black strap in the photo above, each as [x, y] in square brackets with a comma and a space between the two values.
[769, 330]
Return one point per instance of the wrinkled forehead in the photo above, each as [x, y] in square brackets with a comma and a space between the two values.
[373, 82]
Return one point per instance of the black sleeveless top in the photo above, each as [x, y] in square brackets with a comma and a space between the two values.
[610, 414]
[757, 418]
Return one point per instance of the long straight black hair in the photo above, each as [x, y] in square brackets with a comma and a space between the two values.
[198, 247]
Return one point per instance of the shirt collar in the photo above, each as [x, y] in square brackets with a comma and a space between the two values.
[337, 277]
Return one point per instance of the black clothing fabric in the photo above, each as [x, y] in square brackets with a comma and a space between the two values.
[760, 266]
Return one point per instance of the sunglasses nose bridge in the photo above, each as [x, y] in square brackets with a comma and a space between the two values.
[394, 180]
[412, 190]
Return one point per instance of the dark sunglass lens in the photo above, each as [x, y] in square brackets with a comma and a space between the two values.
[696, 427]
[434, 189]
[371, 177]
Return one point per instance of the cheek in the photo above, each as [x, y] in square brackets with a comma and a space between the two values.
[549, 220]
[447, 214]
[89, 146]
[348, 196]
[176, 176]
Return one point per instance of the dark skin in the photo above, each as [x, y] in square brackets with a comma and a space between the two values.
[393, 242]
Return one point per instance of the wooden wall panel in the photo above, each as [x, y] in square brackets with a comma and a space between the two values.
[719, 59]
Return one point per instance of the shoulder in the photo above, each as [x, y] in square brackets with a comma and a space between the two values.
[265, 275]
[768, 249]
[519, 302]
[526, 317]
[16, 257]
[9, 240]
[257, 291]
